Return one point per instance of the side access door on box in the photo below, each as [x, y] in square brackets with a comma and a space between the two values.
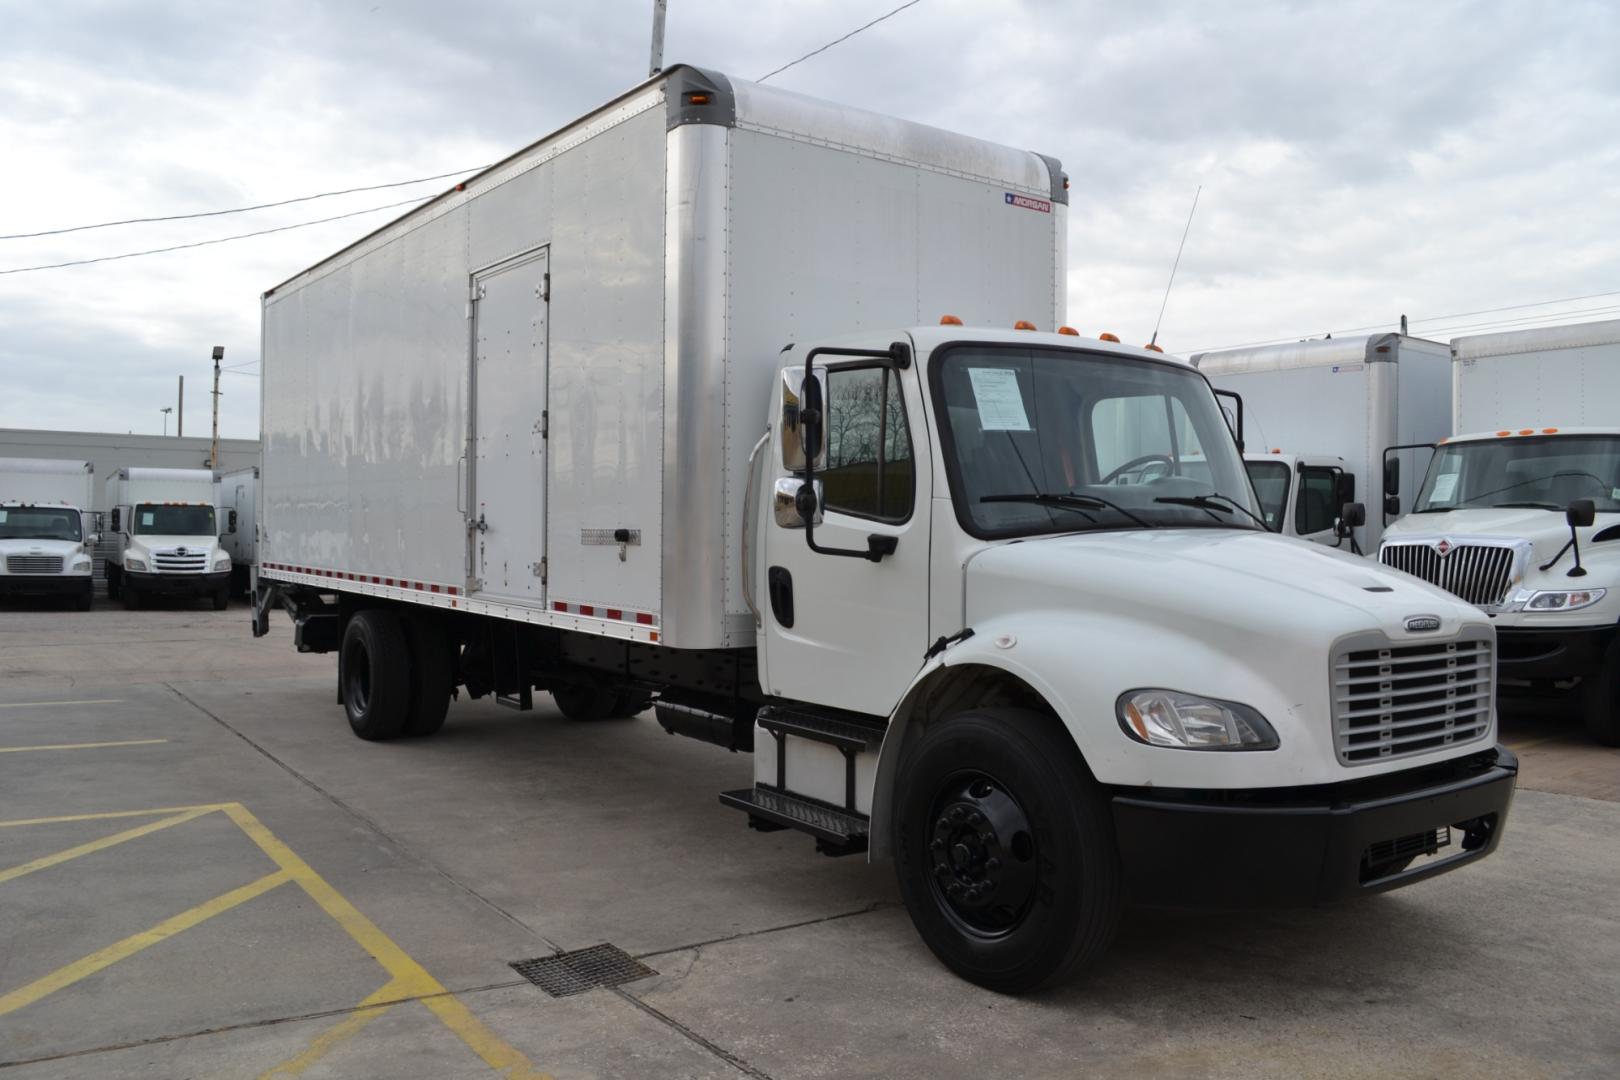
[506, 514]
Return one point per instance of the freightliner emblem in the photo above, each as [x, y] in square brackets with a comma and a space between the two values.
[1419, 623]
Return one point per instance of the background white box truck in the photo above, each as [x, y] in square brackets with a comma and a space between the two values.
[166, 534]
[663, 406]
[46, 541]
[237, 496]
[1520, 509]
[1351, 397]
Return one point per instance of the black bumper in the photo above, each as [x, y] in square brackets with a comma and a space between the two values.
[1555, 653]
[176, 584]
[1302, 847]
[46, 585]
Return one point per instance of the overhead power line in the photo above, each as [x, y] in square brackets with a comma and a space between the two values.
[237, 209]
[216, 240]
[839, 41]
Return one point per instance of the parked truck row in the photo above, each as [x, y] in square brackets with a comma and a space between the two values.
[762, 409]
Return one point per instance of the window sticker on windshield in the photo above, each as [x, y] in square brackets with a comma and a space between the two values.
[1001, 405]
[146, 517]
[1445, 485]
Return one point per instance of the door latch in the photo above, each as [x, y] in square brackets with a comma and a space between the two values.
[481, 525]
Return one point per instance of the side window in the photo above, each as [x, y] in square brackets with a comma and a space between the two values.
[869, 471]
[1317, 506]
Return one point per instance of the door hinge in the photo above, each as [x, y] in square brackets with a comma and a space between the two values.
[545, 423]
[545, 287]
[540, 569]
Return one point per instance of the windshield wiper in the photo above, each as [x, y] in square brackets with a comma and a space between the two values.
[1523, 506]
[1207, 502]
[1066, 501]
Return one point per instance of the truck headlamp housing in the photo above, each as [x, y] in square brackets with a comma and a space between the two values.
[1564, 600]
[137, 565]
[223, 563]
[81, 565]
[1189, 722]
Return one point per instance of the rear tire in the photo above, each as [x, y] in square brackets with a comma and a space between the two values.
[375, 661]
[1004, 849]
[583, 702]
[1600, 699]
[114, 584]
[432, 676]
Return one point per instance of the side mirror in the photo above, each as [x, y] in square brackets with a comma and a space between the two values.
[1347, 488]
[1392, 506]
[1352, 516]
[1392, 476]
[786, 502]
[1580, 513]
[232, 521]
[811, 418]
[117, 517]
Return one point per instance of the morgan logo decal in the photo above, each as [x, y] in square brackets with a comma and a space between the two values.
[1028, 203]
[1443, 548]
[1418, 624]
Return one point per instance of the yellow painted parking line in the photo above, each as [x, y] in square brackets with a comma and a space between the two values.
[505, 1059]
[101, 845]
[163, 931]
[44, 704]
[367, 1011]
[81, 745]
[107, 815]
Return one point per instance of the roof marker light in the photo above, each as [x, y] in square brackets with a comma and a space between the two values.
[697, 99]
[1150, 347]
[1069, 330]
[1549, 431]
[949, 320]
[1527, 431]
[1108, 337]
[1023, 324]
[1499, 434]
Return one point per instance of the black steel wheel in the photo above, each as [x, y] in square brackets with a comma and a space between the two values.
[1004, 849]
[375, 671]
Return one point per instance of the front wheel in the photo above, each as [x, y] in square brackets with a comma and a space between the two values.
[222, 599]
[1004, 849]
[1600, 699]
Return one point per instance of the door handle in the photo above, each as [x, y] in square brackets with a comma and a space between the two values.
[481, 525]
[461, 477]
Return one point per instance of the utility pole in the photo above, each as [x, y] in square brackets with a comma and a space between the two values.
[657, 38]
[180, 418]
[213, 455]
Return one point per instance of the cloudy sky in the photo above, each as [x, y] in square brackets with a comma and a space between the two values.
[1358, 160]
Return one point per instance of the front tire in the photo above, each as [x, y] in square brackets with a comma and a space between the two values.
[375, 661]
[1005, 850]
[222, 599]
[132, 600]
[86, 598]
[1600, 699]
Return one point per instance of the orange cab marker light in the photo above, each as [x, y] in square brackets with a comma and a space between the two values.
[1108, 337]
[949, 320]
[1527, 431]
[1150, 347]
[1549, 431]
[1023, 324]
[1069, 330]
[697, 99]
[1499, 434]
[1276, 449]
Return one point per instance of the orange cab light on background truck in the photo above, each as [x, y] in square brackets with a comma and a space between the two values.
[949, 320]
[1069, 330]
[1023, 324]
[1108, 337]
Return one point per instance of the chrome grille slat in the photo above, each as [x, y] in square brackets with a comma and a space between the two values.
[1479, 573]
[33, 564]
[1391, 701]
[192, 562]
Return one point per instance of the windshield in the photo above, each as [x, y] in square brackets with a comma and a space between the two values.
[1270, 480]
[165, 520]
[39, 523]
[1548, 472]
[1128, 433]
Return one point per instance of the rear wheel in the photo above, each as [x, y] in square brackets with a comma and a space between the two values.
[113, 583]
[585, 701]
[432, 676]
[1004, 849]
[375, 662]
[1600, 699]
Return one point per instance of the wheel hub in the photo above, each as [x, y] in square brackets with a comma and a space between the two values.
[983, 851]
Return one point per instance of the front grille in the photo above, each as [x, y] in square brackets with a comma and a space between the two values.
[1479, 573]
[33, 564]
[169, 562]
[1400, 700]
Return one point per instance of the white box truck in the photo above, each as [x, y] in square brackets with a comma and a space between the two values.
[1519, 511]
[166, 533]
[1350, 397]
[677, 404]
[236, 494]
[46, 541]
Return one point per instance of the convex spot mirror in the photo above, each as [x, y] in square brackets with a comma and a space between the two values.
[1580, 513]
[1351, 517]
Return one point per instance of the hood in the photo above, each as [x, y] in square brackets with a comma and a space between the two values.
[1546, 530]
[65, 548]
[1240, 588]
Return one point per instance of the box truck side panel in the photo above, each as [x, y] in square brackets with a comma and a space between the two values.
[1562, 375]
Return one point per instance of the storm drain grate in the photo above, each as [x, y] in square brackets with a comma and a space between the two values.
[581, 970]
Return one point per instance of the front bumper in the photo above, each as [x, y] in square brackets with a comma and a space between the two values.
[46, 584]
[176, 584]
[1551, 653]
[1301, 847]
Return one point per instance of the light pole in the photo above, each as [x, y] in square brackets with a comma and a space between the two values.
[213, 455]
[166, 410]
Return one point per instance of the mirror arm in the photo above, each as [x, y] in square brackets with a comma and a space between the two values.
[877, 545]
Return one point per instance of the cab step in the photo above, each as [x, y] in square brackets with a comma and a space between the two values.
[850, 732]
[837, 832]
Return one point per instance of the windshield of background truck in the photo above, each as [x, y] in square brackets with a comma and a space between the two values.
[1270, 480]
[1052, 421]
[1533, 471]
[39, 523]
[163, 520]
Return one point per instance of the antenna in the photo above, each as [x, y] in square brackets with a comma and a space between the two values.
[1155, 339]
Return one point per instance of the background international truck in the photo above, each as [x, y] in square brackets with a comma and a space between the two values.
[236, 494]
[1519, 511]
[47, 542]
[1349, 397]
[166, 536]
[678, 403]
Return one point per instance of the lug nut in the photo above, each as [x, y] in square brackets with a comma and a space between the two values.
[975, 818]
[992, 863]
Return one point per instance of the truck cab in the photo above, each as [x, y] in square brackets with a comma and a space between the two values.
[1302, 495]
[46, 540]
[167, 534]
[1523, 522]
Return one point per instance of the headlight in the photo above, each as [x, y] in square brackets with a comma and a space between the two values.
[1171, 718]
[138, 565]
[81, 565]
[222, 564]
[1572, 600]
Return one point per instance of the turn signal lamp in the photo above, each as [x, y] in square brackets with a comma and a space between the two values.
[1108, 337]
[949, 320]
[1150, 347]
[1069, 330]
[1023, 324]
[697, 99]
